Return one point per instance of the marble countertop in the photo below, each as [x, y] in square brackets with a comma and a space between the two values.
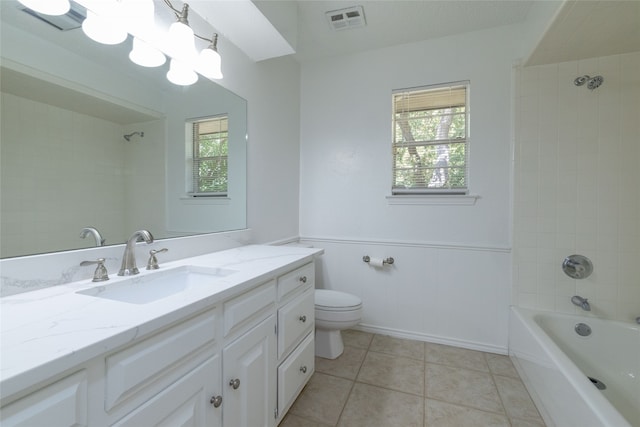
[52, 330]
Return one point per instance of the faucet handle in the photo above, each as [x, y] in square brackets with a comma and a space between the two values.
[100, 275]
[152, 264]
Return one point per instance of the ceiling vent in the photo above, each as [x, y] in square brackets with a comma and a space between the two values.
[350, 17]
[69, 21]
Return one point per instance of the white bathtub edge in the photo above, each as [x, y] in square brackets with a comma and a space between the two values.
[594, 402]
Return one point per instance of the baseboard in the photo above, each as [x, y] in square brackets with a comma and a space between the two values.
[398, 333]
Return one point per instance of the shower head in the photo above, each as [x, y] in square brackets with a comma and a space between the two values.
[128, 137]
[592, 82]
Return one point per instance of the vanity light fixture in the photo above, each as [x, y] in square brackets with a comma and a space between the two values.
[48, 7]
[182, 39]
[111, 21]
[209, 60]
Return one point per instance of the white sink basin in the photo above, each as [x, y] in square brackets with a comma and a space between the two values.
[162, 284]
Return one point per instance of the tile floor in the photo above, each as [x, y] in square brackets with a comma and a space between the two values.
[391, 382]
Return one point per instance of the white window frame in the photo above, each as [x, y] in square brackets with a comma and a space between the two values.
[421, 193]
[193, 159]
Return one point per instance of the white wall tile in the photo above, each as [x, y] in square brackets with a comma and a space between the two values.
[593, 207]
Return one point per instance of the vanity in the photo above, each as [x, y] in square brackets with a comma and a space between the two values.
[223, 339]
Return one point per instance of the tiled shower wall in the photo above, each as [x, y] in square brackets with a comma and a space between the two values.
[577, 185]
[49, 188]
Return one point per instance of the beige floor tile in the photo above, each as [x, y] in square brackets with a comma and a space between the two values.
[516, 399]
[345, 366]
[462, 386]
[501, 365]
[295, 421]
[442, 414]
[398, 346]
[370, 406]
[394, 372]
[455, 356]
[322, 399]
[353, 338]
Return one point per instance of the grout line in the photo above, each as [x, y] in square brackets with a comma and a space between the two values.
[424, 396]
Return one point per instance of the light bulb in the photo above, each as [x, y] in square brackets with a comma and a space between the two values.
[181, 74]
[182, 42]
[102, 29]
[48, 7]
[146, 55]
[209, 63]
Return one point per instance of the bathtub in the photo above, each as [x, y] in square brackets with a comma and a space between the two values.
[562, 369]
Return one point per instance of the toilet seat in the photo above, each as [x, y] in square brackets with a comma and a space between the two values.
[328, 300]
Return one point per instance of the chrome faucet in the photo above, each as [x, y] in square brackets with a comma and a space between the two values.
[583, 303]
[94, 232]
[128, 266]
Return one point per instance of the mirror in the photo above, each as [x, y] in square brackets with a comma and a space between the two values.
[67, 105]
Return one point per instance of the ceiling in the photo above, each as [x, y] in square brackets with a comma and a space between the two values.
[390, 23]
[588, 29]
[580, 29]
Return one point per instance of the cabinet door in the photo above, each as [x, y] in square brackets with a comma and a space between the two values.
[63, 403]
[249, 378]
[187, 402]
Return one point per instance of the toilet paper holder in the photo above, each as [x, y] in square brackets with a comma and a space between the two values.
[389, 260]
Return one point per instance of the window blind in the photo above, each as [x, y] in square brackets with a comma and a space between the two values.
[430, 139]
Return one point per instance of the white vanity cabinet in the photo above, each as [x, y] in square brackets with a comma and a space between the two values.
[239, 362]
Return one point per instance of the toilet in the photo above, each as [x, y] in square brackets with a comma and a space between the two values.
[334, 312]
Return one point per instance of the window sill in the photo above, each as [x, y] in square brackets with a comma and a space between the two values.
[205, 200]
[431, 199]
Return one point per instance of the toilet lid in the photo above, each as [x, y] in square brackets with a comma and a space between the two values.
[335, 299]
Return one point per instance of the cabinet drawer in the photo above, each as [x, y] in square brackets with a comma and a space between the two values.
[290, 282]
[140, 371]
[294, 321]
[63, 403]
[184, 403]
[248, 309]
[294, 373]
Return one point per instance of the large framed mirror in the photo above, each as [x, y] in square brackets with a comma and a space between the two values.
[90, 141]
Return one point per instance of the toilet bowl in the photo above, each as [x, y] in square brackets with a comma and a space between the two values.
[334, 312]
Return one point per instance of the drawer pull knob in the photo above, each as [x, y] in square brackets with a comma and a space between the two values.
[303, 279]
[216, 401]
[235, 383]
[303, 318]
[303, 369]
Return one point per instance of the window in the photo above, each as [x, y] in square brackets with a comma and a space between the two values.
[430, 140]
[209, 159]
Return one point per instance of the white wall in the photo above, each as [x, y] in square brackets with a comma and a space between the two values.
[452, 271]
[577, 185]
[273, 161]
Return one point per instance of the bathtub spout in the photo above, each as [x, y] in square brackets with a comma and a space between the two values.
[638, 320]
[581, 302]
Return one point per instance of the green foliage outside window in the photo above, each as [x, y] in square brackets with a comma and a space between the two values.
[425, 162]
[211, 153]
